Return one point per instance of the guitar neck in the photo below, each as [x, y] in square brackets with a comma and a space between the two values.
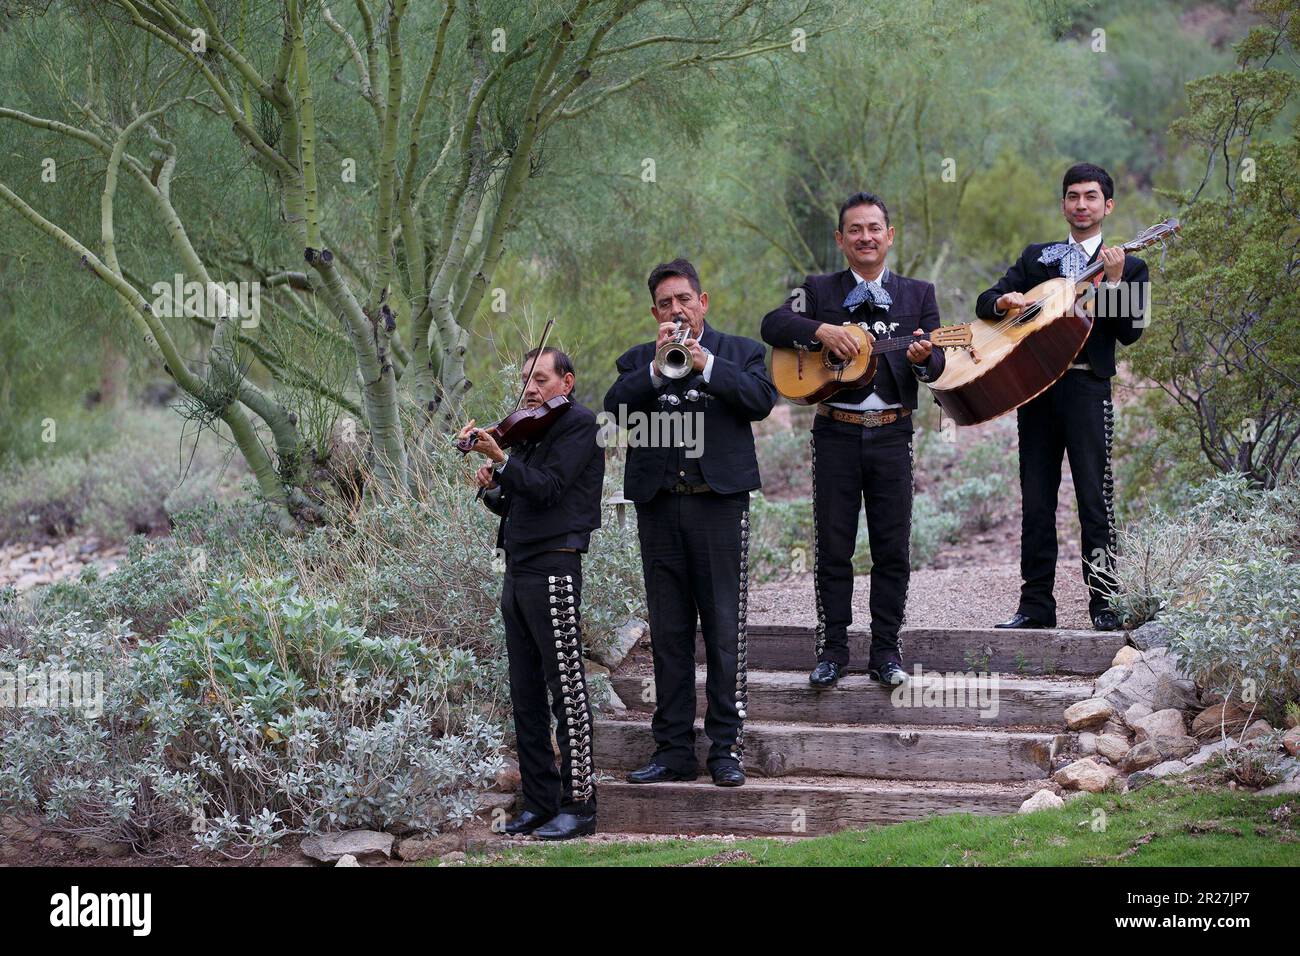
[897, 344]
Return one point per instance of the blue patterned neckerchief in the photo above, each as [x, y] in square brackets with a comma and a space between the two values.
[1068, 255]
[873, 291]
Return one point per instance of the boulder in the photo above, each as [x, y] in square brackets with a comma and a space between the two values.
[1149, 635]
[1115, 728]
[1141, 756]
[1087, 714]
[507, 778]
[347, 859]
[1125, 656]
[1109, 680]
[1042, 800]
[624, 639]
[1087, 743]
[1153, 679]
[1140, 779]
[1258, 729]
[331, 847]
[1175, 748]
[1086, 774]
[1291, 741]
[1226, 718]
[1290, 782]
[1166, 723]
[1136, 712]
[1209, 750]
[1112, 746]
[426, 848]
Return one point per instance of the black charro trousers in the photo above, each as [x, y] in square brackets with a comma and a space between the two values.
[694, 554]
[541, 602]
[1074, 417]
[856, 467]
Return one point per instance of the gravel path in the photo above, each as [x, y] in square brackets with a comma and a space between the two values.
[937, 597]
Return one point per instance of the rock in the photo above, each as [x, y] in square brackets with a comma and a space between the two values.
[1291, 741]
[347, 859]
[1140, 779]
[1085, 774]
[1153, 679]
[1258, 729]
[454, 857]
[1087, 714]
[1290, 782]
[1136, 713]
[1074, 795]
[1140, 756]
[612, 704]
[1125, 656]
[1087, 742]
[1115, 728]
[330, 847]
[102, 847]
[1218, 720]
[1042, 800]
[1167, 723]
[624, 639]
[1112, 746]
[426, 848]
[1149, 635]
[1175, 748]
[507, 778]
[1209, 750]
[494, 805]
[1109, 680]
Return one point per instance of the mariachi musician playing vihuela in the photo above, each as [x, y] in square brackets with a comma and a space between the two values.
[862, 436]
[547, 492]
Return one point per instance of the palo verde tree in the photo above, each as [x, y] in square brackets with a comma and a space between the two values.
[1224, 336]
[395, 142]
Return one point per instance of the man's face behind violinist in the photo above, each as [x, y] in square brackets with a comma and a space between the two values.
[546, 382]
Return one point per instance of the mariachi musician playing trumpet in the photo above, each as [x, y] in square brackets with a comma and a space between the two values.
[547, 492]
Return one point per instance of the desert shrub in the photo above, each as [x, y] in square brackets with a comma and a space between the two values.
[1239, 634]
[780, 538]
[784, 463]
[1166, 558]
[261, 713]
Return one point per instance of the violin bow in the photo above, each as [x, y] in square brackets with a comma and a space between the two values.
[536, 355]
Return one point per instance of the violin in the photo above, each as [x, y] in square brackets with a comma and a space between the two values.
[522, 424]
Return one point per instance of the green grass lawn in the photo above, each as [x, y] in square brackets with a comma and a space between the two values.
[1160, 825]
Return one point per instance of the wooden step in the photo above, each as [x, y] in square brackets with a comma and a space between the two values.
[856, 699]
[788, 647]
[776, 750]
[789, 807]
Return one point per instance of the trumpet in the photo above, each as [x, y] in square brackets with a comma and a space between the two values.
[673, 358]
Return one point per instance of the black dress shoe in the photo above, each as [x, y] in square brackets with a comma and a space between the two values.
[566, 826]
[655, 773]
[1105, 621]
[890, 673]
[729, 776]
[825, 674]
[526, 823]
[1019, 620]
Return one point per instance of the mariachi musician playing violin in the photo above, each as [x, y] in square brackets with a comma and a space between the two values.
[547, 492]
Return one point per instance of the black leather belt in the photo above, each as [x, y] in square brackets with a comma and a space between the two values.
[682, 488]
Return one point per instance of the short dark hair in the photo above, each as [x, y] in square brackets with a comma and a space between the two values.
[666, 270]
[862, 199]
[563, 364]
[1088, 173]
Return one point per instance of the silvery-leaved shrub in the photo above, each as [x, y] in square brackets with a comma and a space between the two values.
[1164, 559]
[261, 713]
[1240, 637]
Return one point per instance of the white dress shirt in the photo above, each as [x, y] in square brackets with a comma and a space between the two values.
[872, 402]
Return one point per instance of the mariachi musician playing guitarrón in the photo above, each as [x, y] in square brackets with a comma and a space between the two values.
[1075, 416]
[862, 439]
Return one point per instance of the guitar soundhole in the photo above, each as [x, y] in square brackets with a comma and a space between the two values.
[834, 364]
